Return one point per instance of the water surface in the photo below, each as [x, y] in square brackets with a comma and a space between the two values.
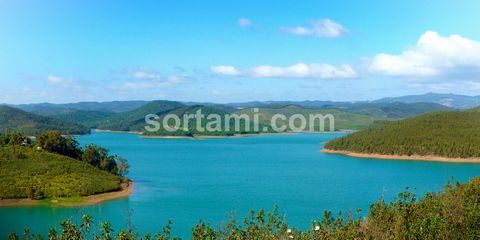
[188, 180]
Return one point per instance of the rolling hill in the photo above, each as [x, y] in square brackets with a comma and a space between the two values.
[31, 124]
[452, 134]
[90, 119]
[343, 120]
[113, 106]
[192, 128]
[27, 172]
[130, 120]
[449, 100]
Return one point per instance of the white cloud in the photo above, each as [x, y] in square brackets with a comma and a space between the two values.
[57, 80]
[245, 23]
[225, 70]
[324, 28]
[300, 70]
[145, 74]
[63, 82]
[432, 56]
[142, 79]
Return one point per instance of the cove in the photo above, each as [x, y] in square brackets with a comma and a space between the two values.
[187, 180]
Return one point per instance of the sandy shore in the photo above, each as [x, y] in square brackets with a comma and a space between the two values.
[112, 131]
[404, 157]
[213, 136]
[83, 201]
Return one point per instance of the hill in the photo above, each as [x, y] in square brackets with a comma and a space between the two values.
[29, 173]
[449, 100]
[394, 110]
[90, 119]
[134, 120]
[451, 134]
[343, 120]
[31, 124]
[113, 106]
[192, 128]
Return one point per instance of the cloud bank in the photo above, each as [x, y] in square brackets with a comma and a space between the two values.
[432, 56]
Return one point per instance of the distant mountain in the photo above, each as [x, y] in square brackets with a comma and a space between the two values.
[378, 109]
[343, 120]
[113, 106]
[449, 100]
[453, 134]
[393, 110]
[31, 124]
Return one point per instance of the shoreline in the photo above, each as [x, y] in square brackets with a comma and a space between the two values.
[403, 157]
[213, 136]
[113, 131]
[90, 200]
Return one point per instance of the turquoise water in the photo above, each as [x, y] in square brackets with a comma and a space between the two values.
[211, 179]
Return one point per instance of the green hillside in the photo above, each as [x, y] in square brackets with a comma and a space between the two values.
[343, 120]
[50, 108]
[31, 124]
[27, 172]
[130, 120]
[444, 133]
[90, 119]
[192, 130]
[395, 110]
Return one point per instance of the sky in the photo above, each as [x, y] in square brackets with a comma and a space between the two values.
[236, 51]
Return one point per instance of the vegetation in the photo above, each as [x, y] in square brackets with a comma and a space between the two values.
[453, 134]
[343, 120]
[55, 166]
[30, 124]
[216, 129]
[49, 109]
[90, 119]
[394, 110]
[453, 213]
[130, 115]
[134, 120]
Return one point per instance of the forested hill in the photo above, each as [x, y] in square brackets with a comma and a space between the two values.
[31, 124]
[56, 166]
[445, 133]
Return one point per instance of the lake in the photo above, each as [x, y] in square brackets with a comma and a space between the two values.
[212, 179]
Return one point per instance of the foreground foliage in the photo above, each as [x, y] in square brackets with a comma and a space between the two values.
[446, 133]
[452, 214]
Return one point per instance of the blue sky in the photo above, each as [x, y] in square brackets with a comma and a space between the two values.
[230, 51]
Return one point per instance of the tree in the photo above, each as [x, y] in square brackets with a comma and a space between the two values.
[99, 157]
[53, 141]
[122, 166]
